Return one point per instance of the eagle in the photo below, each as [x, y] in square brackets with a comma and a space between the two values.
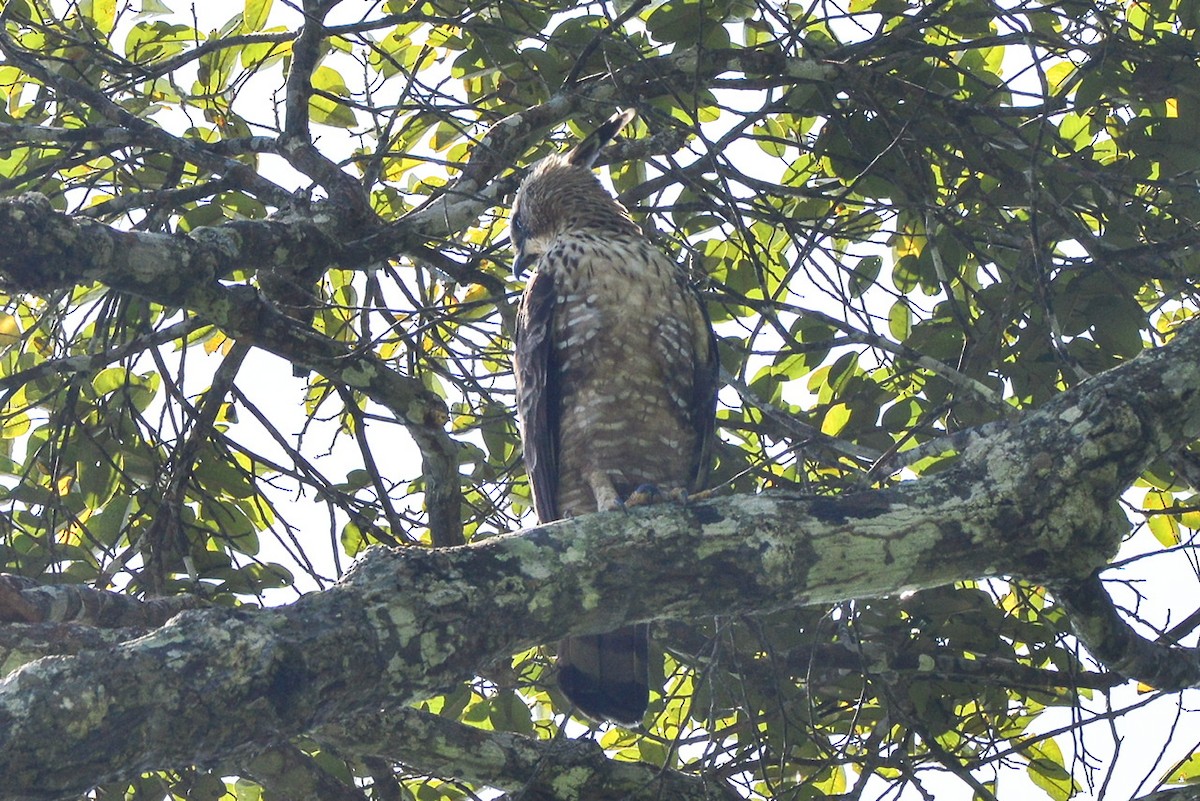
[616, 374]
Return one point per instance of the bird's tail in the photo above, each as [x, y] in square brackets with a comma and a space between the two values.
[605, 675]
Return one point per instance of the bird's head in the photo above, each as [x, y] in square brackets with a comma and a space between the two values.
[561, 193]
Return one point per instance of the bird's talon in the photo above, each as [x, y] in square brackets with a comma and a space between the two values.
[644, 495]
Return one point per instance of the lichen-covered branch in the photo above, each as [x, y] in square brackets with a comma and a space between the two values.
[1033, 501]
[1189, 792]
[22, 643]
[539, 770]
[23, 600]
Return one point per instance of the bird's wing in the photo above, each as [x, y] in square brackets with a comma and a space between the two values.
[702, 410]
[538, 393]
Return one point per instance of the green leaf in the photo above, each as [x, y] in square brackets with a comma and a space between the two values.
[139, 390]
[151, 8]
[153, 41]
[510, 713]
[772, 137]
[900, 320]
[96, 477]
[864, 275]
[107, 526]
[246, 790]
[652, 752]
[906, 274]
[206, 787]
[257, 55]
[326, 110]
[901, 416]
[834, 784]
[1047, 770]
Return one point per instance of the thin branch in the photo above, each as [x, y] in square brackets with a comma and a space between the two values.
[84, 363]
[146, 133]
[23, 600]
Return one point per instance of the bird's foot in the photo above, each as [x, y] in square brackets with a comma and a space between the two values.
[647, 494]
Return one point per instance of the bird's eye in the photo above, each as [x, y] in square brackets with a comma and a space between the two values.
[518, 230]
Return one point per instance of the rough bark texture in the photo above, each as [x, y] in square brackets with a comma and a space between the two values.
[1036, 500]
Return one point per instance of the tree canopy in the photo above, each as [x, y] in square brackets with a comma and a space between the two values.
[255, 319]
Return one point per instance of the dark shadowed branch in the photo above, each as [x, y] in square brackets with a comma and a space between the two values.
[1110, 638]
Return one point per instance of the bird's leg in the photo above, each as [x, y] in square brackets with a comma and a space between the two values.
[607, 499]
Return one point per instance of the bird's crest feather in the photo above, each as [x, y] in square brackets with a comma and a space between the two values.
[584, 154]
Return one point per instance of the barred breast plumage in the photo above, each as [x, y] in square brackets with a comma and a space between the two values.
[616, 384]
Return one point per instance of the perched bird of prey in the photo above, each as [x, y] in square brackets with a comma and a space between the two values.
[616, 369]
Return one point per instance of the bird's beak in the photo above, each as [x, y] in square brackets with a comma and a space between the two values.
[520, 263]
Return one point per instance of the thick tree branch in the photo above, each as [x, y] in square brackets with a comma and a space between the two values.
[49, 250]
[21, 643]
[406, 625]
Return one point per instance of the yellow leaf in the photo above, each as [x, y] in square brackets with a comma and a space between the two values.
[10, 331]
[1164, 527]
[217, 342]
[835, 419]
[254, 17]
[1186, 772]
[14, 425]
[101, 12]
[1058, 75]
